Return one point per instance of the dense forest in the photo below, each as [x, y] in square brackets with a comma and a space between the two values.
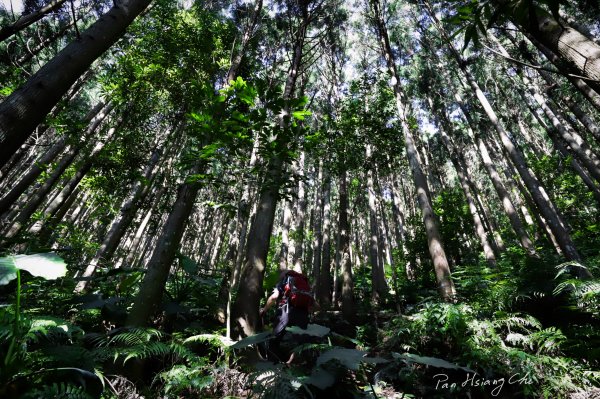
[432, 167]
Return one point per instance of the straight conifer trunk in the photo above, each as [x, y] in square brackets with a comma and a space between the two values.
[157, 270]
[245, 310]
[25, 20]
[24, 109]
[545, 206]
[118, 227]
[434, 239]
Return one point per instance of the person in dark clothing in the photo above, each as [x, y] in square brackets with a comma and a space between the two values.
[286, 315]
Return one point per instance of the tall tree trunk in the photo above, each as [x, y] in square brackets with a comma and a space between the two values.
[581, 115]
[40, 164]
[434, 239]
[25, 20]
[300, 216]
[157, 270]
[285, 235]
[507, 204]
[462, 177]
[347, 294]
[580, 53]
[45, 43]
[132, 248]
[42, 191]
[317, 244]
[379, 286]
[68, 188]
[24, 109]
[122, 221]
[325, 280]
[591, 94]
[545, 206]
[236, 61]
[247, 302]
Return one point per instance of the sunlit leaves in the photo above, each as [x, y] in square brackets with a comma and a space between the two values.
[50, 266]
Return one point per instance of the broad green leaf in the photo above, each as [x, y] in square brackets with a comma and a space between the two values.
[188, 265]
[320, 378]
[8, 271]
[312, 329]
[253, 340]
[300, 115]
[429, 361]
[49, 266]
[351, 358]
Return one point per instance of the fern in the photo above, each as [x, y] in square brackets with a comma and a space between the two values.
[133, 336]
[58, 391]
[522, 322]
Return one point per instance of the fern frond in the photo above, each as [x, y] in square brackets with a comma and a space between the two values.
[515, 339]
[144, 351]
[59, 391]
[133, 336]
[214, 339]
[516, 320]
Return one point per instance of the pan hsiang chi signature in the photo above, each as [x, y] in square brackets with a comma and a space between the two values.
[472, 380]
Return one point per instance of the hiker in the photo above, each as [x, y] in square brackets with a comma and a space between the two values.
[294, 302]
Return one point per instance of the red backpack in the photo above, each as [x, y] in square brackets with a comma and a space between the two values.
[297, 290]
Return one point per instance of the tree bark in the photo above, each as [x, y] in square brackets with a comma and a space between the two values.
[40, 165]
[246, 306]
[434, 239]
[545, 206]
[25, 20]
[503, 195]
[300, 216]
[122, 221]
[325, 280]
[460, 170]
[574, 48]
[68, 188]
[24, 109]
[157, 270]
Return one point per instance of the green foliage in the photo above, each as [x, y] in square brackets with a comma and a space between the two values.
[49, 266]
[497, 346]
[474, 17]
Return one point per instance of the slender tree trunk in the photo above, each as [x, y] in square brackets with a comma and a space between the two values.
[581, 115]
[245, 309]
[347, 294]
[318, 225]
[45, 43]
[236, 61]
[24, 109]
[300, 216]
[558, 144]
[507, 204]
[378, 289]
[122, 221]
[434, 239]
[460, 170]
[139, 233]
[25, 20]
[285, 235]
[545, 206]
[157, 269]
[325, 280]
[39, 165]
[82, 170]
[42, 192]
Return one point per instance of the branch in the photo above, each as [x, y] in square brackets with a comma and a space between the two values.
[539, 67]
